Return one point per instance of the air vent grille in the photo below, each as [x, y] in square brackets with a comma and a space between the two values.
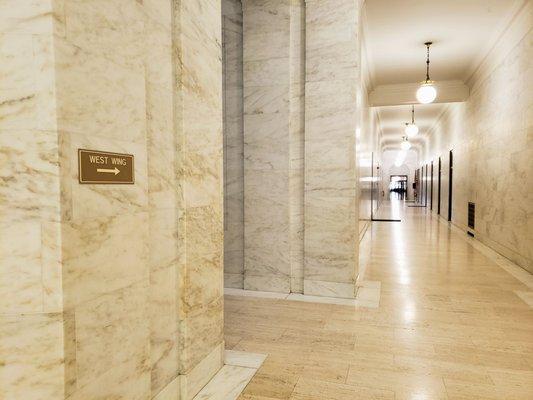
[471, 215]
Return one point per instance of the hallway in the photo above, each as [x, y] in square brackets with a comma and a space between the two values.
[450, 325]
[194, 199]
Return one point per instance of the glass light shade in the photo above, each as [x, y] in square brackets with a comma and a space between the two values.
[405, 145]
[411, 130]
[426, 93]
[399, 162]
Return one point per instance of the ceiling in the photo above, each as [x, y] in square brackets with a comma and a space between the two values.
[393, 118]
[463, 31]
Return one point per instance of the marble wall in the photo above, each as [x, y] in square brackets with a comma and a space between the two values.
[200, 147]
[296, 142]
[490, 135]
[300, 152]
[31, 298]
[117, 291]
[232, 43]
[331, 121]
[266, 77]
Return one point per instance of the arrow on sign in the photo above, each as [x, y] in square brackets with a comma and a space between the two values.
[108, 171]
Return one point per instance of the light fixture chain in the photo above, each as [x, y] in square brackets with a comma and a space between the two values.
[427, 62]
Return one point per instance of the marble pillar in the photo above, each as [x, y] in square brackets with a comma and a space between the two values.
[110, 291]
[266, 78]
[198, 116]
[31, 297]
[331, 121]
[296, 142]
[233, 144]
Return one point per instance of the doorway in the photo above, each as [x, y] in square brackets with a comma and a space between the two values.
[431, 189]
[426, 187]
[450, 183]
[438, 187]
[398, 187]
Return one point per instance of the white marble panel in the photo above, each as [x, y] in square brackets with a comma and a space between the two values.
[32, 356]
[244, 359]
[254, 293]
[266, 100]
[227, 384]
[273, 282]
[274, 71]
[329, 289]
[235, 280]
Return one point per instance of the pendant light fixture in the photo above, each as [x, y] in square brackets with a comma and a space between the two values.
[410, 128]
[427, 92]
[405, 145]
[400, 158]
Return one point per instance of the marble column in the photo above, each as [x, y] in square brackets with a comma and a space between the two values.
[331, 120]
[296, 142]
[233, 144]
[110, 291]
[31, 297]
[198, 116]
[266, 77]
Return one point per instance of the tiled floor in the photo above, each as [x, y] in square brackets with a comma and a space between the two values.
[451, 324]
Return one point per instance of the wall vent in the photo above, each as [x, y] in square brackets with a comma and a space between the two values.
[471, 215]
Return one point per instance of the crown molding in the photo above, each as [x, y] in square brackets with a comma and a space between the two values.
[405, 93]
[515, 26]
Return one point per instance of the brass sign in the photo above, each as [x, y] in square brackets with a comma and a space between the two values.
[105, 168]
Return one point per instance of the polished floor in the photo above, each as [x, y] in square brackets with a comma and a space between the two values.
[450, 325]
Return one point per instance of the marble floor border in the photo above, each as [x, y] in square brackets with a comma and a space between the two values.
[368, 296]
[229, 382]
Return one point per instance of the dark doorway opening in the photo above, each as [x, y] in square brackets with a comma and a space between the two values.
[398, 186]
[450, 183]
[426, 187]
[431, 191]
[438, 188]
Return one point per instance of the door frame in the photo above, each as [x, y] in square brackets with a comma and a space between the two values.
[439, 186]
[431, 192]
[450, 186]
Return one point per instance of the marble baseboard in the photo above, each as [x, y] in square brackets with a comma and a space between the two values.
[244, 359]
[368, 296]
[329, 289]
[322, 299]
[527, 296]
[254, 293]
[235, 281]
[273, 283]
[193, 382]
[170, 392]
[231, 380]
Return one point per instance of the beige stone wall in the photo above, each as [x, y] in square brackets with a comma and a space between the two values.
[110, 290]
[232, 43]
[31, 298]
[199, 137]
[296, 141]
[490, 135]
